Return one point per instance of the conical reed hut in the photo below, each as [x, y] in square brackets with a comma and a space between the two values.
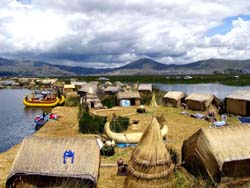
[150, 165]
[153, 102]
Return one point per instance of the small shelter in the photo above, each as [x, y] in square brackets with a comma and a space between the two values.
[218, 152]
[78, 84]
[153, 102]
[55, 162]
[133, 97]
[150, 164]
[92, 100]
[112, 90]
[238, 103]
[174, 98]
[85, 88]
[68, 88]
[201, 102]
[145, 88]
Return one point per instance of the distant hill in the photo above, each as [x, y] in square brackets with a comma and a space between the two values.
[143, 66]
[30, 68]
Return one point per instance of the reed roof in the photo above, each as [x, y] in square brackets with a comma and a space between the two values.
[112, 89]
[43, 156]
[229, 143]
[176, 95]
[200, 97]
[69, 86]
[150, 163]
[240, 95]
[128, 95]
[213, 147]
[85, 88]
[145, 87]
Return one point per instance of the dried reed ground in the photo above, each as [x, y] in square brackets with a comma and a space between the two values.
[180, 128]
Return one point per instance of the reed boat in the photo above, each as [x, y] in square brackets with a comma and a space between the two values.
[62, 100]
[129, 138]
[41, 103]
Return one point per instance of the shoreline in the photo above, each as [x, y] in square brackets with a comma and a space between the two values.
[63, 127]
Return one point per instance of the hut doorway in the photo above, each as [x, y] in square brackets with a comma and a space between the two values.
[92, 105]
[132, 102]
[248, 108]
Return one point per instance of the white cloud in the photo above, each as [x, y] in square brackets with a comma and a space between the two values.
[113, 32]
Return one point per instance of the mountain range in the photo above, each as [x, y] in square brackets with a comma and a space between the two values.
[142, 66]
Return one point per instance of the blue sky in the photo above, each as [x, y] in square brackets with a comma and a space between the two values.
[111, 33]
[226, 26]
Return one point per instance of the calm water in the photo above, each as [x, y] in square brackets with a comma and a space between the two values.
[221, 91]
[16, 121]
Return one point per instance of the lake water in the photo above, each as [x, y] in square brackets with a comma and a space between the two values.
[221, 91]
[16, 121]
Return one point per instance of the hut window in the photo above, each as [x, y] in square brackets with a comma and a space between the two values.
[68, 154]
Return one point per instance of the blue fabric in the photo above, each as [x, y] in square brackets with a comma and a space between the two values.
[68, 154]
[219, 123]
[125, 145]
[244, 119]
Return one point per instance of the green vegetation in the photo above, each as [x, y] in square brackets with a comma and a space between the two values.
[119, 124]
[174, 155]
[226, 79]
[72, 101]
[89, 124]
[108, 100]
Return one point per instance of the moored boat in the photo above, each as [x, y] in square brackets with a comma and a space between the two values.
[129, 138]
[62, 100]
[41, 120]
[40, 102]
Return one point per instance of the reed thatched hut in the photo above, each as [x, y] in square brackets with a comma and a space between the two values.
[132, 96]
[201, 102]
[150, 165]
[238, 103]
[48, 162]
[218, 152]
[174, 98]
[92, 100]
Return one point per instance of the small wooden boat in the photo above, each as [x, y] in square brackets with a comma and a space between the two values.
[41, 103]
[129, 138]
[40, 120]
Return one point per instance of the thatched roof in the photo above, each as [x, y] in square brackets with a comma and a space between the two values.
[219, 151]
[78, 83]
[176, 95]
[91, 91]
[200, 97]
[112, 89]
[128, 95]
[69, 86]
[150, 164]
[85, 88]
[145, 87]
[240, 95]
[42, 156]
[118, 83]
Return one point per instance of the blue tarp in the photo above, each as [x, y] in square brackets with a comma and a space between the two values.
[125, 103]
[244, 119]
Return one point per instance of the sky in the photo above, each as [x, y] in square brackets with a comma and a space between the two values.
[111, 33]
